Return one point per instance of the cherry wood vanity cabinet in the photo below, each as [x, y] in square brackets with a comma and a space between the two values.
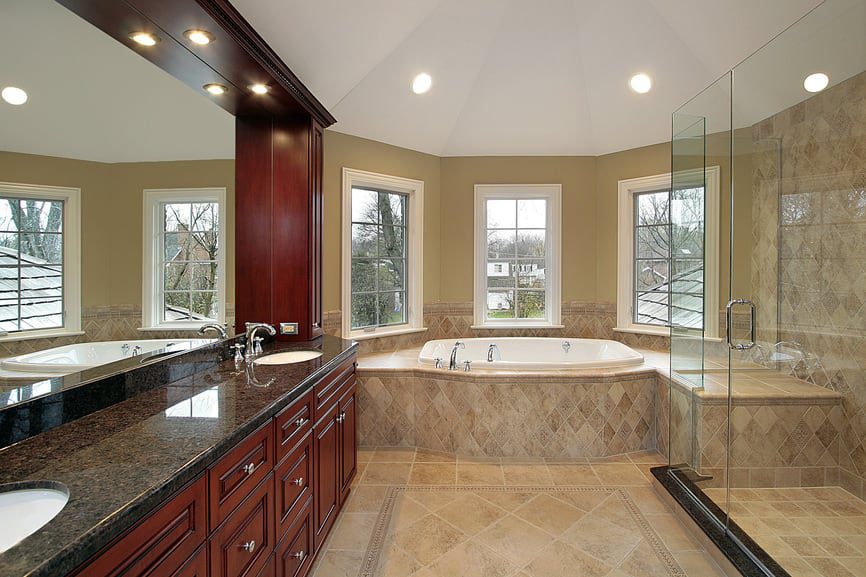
[263, 508]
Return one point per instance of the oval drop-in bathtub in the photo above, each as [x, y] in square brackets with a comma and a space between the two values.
[532, 353]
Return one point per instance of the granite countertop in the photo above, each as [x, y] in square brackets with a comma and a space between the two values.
[122, 461]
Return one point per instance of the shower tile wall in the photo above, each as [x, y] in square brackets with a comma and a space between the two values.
[815, 250]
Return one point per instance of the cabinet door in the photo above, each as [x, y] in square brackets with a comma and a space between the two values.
[348, 439]
[161, 543]
[242, 545]
[326, 493]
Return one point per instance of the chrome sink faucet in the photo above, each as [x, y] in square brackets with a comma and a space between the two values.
[219, 329]
[252, 329]
[452, 365]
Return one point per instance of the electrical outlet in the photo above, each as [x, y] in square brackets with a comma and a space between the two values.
[288, 328]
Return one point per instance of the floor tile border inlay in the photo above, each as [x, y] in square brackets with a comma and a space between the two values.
[383, 522]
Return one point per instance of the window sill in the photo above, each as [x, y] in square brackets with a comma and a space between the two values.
[660, 332]
[385, 333]
[33, 335]
[513, 326]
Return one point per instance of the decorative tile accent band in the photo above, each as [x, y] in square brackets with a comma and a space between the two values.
[584, 319]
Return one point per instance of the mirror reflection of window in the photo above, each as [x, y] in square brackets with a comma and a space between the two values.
[204, 405]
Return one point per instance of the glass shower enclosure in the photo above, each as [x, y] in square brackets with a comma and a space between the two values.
[767, 415]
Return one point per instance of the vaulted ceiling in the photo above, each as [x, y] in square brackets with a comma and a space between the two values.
[513, 76]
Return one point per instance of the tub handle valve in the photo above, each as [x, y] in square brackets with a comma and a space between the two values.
[566, 346]
[437, 362]
[467, 366]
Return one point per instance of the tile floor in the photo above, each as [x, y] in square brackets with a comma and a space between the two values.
[811, 532]
[450, 516]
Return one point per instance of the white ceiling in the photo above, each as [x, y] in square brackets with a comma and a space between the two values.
[512, 76]
[91, 98]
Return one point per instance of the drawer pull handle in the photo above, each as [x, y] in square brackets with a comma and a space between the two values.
[341, 417]
[299, 555]
[299, 481]
[249, 546]
[250, 469]
[301, 422]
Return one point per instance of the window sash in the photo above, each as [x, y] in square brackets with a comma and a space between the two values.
[53, 267]
[377, 260]
[200, 250]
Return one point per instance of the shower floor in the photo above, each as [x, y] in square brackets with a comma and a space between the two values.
[810, 532]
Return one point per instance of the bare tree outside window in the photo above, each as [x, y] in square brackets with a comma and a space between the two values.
[189, 260]
[31, 264]
[379, 258]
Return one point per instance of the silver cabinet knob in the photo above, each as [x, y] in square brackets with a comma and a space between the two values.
[299, 481]
[250, 469]
[249, 546]
[341, 417]
[299, 555]
[301, 422]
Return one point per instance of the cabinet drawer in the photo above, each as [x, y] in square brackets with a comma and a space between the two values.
[327, 391]
[233, 477]
[293, 480]
[195, 567]
[292, 423]
[162, 543]
[241, 546]
[294, 553]
[270, 569]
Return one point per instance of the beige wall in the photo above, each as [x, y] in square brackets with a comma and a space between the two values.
[111, 214]
[589, 208]
[612, 168]
[577, 174]
[344, 151]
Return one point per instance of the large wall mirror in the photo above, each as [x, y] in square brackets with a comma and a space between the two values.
[116, 201]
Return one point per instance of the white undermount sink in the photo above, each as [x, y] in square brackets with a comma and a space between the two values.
[288, 358]
[31, 506]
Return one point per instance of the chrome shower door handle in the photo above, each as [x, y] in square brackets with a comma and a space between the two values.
[729, 325]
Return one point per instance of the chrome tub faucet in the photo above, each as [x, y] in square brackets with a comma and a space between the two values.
[493, 353]
[452, 365]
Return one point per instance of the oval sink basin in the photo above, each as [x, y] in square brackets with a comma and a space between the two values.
[32, 505]
[288, 358]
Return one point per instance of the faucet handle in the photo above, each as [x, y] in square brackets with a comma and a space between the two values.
[437, 362]
[467, 366]
[239, 352]
[257, 345]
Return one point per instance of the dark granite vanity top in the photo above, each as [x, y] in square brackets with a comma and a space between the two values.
[122, 461]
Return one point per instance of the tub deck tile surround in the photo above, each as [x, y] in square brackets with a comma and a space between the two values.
[602, 412]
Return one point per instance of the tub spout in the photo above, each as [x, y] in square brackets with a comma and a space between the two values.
[493, 353]
[452, 365]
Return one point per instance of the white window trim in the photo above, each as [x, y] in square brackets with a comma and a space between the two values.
[71, 256]
[553, 194]
[151, 307]
[415, 258]
[625, 250]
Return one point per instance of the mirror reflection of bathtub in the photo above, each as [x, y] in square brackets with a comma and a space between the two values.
[59, 361]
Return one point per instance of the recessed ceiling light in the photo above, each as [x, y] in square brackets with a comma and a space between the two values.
[641, 83]
[421, 83]
[259, 88]
[13, 95]
[216, 89]
[200, 37]
[816, 82]
[144, 38]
